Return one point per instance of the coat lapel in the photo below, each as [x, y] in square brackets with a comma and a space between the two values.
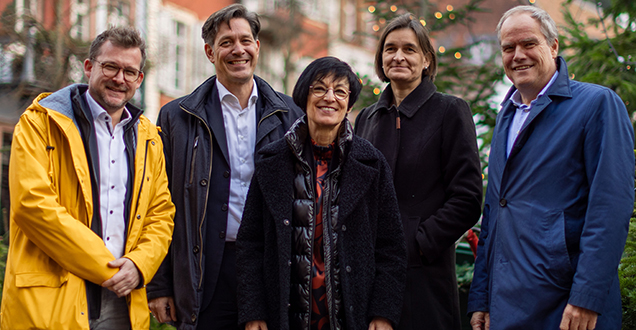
[357, 178]
[215, 120]
[275, 177]
[501, 129]
[559, 88]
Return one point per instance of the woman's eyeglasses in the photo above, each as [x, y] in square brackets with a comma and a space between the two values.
[321, 91]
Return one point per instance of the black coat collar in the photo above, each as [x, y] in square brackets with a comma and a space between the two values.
[275, 173]
[411, 104]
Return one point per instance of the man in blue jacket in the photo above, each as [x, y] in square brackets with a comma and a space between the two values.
[560, 192]
[211, 138]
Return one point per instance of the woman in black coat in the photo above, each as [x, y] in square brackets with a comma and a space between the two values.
[321, 244]
[428, 139]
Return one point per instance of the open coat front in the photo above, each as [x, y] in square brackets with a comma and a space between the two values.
[557, 210]
[52, 247]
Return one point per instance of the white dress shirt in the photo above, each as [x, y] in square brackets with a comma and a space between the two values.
[240, 132]
[113, 175]
[522, 113]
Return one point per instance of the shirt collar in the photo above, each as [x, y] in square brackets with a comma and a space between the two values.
[516, 96]
[99, 113]
[224, 92]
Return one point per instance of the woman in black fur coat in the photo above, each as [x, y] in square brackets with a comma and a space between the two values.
[321, 244]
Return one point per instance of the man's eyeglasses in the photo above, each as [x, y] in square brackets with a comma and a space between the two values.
[110, 70]
[320, 91]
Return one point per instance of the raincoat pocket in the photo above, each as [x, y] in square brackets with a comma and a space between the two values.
[40, 279]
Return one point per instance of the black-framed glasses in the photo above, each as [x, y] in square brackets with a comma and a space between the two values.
[110, 70]
[339, 92]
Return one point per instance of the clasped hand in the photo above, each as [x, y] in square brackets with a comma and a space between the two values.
[126, 279]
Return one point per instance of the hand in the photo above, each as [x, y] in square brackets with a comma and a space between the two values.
[256, 325]
[126, 279]
[480, 321]
[163, 309]
[380, 323]
[578, 318]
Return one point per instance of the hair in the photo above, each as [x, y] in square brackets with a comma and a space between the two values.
[406, 21]
[120, 36]
[547, 25]
[319, 69]
[223, 16]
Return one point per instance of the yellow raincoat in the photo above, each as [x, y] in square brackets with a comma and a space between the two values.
[52, 248]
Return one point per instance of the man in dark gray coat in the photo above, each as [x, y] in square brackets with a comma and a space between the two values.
[210, 138]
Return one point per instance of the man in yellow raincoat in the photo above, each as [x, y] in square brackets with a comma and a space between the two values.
[91, 214]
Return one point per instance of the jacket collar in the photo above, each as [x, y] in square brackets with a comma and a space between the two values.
[560, 87]
[299, 132]
[358, 161]
[411, 104]
[195, 101]
[62, 102]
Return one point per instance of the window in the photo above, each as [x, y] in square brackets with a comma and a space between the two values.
[173, 56]
[80, 23]
[118, 13]
[179, 55]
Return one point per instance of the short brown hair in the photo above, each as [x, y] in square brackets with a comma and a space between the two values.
[407, 21]
[211, 25]
[120, 36]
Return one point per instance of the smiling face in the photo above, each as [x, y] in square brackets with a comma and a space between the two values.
[528, 59]
[402, 58]
[113, 93]
[234, 53]
[326, 113]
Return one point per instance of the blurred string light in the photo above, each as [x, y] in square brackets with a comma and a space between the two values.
[619, 58]
[394, 8]
[451, 16]
[449, 8]
[438, 15]
[376, 91]
[371, 9]
[376, 28]
[532, 1]
[382, 20]
[442, 49]
[423, 22]
[458, 55]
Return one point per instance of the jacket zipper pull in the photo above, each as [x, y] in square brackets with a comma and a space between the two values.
[397, 122]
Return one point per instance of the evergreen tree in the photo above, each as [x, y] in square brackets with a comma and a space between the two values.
[611, 60]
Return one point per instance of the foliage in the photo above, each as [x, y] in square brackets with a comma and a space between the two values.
[469, 71]
[608, 61]
[3, 263]
[370, 92]
[464, 274]
[627, 276]
[155, 325]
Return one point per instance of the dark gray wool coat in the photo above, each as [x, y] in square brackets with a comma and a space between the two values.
[437, 177]
[371, 248]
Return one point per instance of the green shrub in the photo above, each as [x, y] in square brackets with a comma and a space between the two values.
[3, 263]
[155, 325]
[627, 276]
